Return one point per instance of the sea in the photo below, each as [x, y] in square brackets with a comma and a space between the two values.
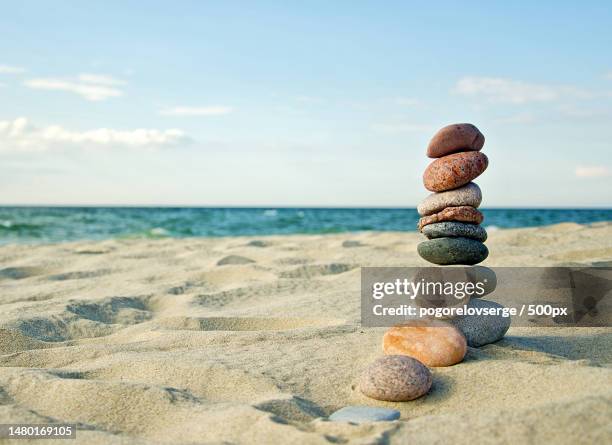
[35, 225]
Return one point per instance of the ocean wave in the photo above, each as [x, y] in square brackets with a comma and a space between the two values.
[159, 231]
[10, 226]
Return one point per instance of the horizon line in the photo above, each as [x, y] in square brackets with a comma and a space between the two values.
[287, 207]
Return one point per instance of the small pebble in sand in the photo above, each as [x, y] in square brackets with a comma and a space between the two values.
[395, 378]
[434, 343]
[360, 414]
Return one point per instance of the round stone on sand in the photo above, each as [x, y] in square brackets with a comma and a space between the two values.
[483, 275]
[454, 138]
[462, 214]
[480, 330]
[454, 170]
[447, 251]
[433, 297]
[454, 229]
[467, 195]
[395, 378]
[361, 414]
[432, 342]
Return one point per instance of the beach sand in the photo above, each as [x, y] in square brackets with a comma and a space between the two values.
[152, 341]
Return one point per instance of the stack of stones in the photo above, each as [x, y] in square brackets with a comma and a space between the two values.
[449, 216]
[451, 222]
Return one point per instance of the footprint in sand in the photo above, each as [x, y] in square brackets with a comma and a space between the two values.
[114, 310]
[259, 243]
[19, 273]
[79, 275]
[85, 319]
[183, 288]
[234, 259]
[352, 243]
[292, 408]
[5, 399]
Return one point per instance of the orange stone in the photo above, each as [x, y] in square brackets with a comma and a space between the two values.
[432, 342]
[465, 214]
[454, 170]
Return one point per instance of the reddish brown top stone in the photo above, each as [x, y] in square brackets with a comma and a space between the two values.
[454, 138]
[462, 213]
[454, 170]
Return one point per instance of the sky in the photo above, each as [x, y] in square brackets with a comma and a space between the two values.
[312, 103]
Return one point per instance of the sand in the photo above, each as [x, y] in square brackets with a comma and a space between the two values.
[151, 341]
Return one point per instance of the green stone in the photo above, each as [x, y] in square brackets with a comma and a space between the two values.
[446, 251]
[454, 229]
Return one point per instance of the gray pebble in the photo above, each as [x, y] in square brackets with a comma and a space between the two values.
[453, 229]
[395, 378]
[483, 275]
[435, 297]
[484, 329]
[360, 414]
[448, 251]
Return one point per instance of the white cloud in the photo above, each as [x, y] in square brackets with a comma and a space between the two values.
[93, 87]
[7, 69]
[20, 135]
[592, 171]
[609, 75]
[216, 110]
[402, 127]
[498, 89]
[100, 79]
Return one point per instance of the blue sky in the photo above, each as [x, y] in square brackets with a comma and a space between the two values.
[300, 103]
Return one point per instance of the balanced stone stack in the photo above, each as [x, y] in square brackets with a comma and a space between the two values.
[449, 216]
[451, 221]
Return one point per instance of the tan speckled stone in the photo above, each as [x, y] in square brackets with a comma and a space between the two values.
[454, 138]
[395, 378]
[465, 214]
[434, 343]
[467, 195]
[454, 170]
